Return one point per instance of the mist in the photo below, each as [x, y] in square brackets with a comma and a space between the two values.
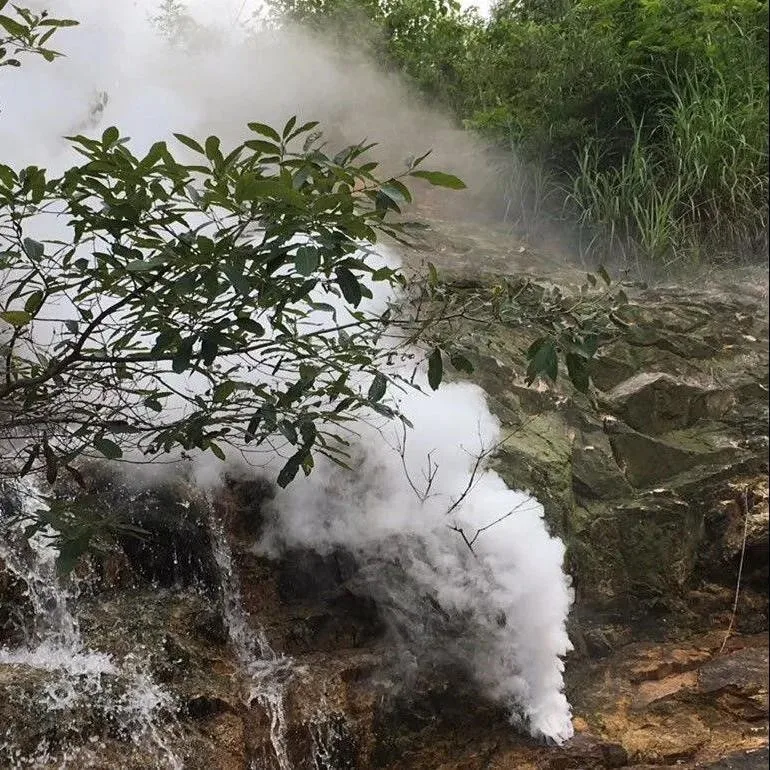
[423, 517]
[225, 72]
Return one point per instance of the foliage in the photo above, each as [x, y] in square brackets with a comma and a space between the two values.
[27, 32]
[193, 305]
[152, 304]
[570, 325]
[700, 184]
[644, 123]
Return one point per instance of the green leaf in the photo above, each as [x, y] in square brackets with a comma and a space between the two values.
[289, 471]
[252, 427]
[33, 303]
[309, 433]
[108, 448]
[251, 326]
[265, 130]
[209, 347]
[59, 23]
[33, 249]
[223, 391]
[396, 191]
[212, 148]
[216, 450]
[440, 179]
[287, 129]
[181, 360]
[110, 136]
[306, 260]
[16, 318]
[260, 145]
[238, 280]
[288, 431]
[378, 387]
[435, 369]
[190, 142]
[13, 27]
[154, 154]
[577, 369]
[51, 463]
[349, 285]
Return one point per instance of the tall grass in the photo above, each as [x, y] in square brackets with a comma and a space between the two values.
[528, 190]
[717, 134]
[692, 187]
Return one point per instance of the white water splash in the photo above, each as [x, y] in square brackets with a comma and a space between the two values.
[328, 732]
[267, 673]
[81, 678]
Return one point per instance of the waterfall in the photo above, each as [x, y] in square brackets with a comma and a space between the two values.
[267, 673]
[77, 679]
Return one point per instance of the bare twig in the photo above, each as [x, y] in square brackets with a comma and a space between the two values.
[744, 503]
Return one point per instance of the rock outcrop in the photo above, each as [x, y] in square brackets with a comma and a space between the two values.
[651, 482]
[657, 483]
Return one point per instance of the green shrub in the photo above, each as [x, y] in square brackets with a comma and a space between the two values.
[643, 121]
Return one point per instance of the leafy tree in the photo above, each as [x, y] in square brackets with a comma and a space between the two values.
[193, 305]
[150, 304]
[213, 299]
[27, 32]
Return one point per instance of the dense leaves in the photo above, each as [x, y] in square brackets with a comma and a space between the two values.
[154, 305]
[23, 31]
[642, 124]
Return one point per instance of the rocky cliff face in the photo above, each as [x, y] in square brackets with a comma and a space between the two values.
[658, 487]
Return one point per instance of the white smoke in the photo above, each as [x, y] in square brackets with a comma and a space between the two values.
[509, 589]
[119, 71]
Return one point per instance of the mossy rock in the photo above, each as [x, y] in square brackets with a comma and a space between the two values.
[639, 551]
[536, 457]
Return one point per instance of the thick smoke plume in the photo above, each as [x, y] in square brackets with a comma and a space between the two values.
[426, 523]
[418, 505]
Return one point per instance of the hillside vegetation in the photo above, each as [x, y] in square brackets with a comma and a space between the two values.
[638, 124]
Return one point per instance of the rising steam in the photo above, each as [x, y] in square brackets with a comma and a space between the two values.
[399, 514]
[422, 516]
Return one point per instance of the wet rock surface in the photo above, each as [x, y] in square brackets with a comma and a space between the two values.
[645, 486]
[659, 490]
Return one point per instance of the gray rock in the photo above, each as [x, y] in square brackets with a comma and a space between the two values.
[655, 402]
[595, 474]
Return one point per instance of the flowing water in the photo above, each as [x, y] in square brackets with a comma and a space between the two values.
[79, 687]
[266, 673]
[85, 690]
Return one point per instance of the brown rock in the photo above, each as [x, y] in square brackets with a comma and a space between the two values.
[660, 689]
[655, 402]
[738, 683]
